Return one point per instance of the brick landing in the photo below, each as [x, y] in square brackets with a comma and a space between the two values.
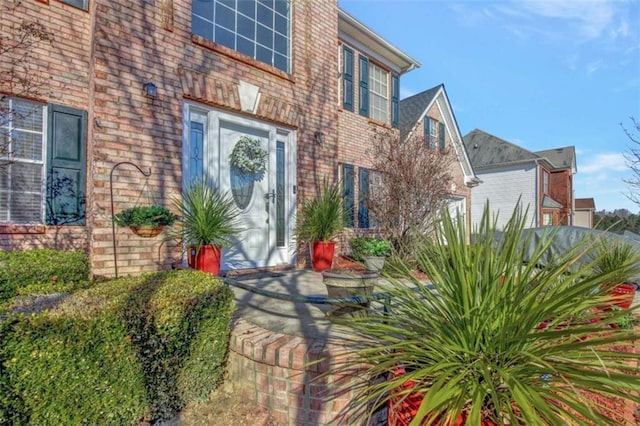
[273, 370]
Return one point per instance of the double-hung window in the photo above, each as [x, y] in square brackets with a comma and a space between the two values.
[42, 163]
[22, 162]
[378, 93]
[260, 29]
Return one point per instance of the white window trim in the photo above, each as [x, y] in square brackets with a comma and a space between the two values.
[43, 162]
[378, 95]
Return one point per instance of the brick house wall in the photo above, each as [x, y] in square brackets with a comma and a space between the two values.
[461, 189]
[65, 67]
[100, 61]
[561, 188]
[356, 133]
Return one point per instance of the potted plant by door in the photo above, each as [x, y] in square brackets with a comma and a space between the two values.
[320, 220]
[209, 221]
[466, 348]
[145, 221]
[618, 262]
[371, 251]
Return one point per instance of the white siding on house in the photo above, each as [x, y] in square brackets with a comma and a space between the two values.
[502, 187]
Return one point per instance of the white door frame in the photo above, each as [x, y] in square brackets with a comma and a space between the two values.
[213, 166]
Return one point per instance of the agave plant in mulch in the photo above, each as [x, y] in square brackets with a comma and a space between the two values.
[470, 348]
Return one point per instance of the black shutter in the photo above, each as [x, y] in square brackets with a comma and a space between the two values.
[364, 86]
[363, 196]
[395, 92]
[347, 78]
[80, 4]
[441, 136]
[427, 131]
[66, 164]
[348, 194]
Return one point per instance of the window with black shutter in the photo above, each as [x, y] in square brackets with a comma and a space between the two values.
[363, 197]
[363, 87]
[347, 78]
[348, 193]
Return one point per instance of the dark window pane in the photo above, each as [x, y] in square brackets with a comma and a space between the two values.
[268, 3]
[263, 55]
[247, 7]
[281, 44]
[225, 37]
[282, 25]
[281, 62]
[231, 4]
[282, 7]
[202, 8]
[246, 27]
[225, 17]
[265, 37]
[246, 47]
[265, 16]
[202, 28]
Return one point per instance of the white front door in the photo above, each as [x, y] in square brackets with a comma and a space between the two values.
[265, 200]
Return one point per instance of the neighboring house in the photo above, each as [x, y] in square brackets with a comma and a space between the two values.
[429, 115]
[541, 181]
[369, 90]
[585, 210]
[171, 86]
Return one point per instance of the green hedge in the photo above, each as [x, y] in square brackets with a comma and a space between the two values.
[123, 351]
[41, 270]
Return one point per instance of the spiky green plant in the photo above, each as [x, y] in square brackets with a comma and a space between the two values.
[617, 257]
[474, 345]
[322, 216]
[208, 216]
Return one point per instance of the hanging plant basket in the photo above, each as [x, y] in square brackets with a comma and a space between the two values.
[145, 221]
[146, 231]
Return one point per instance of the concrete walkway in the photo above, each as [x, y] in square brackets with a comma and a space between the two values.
[281, 316]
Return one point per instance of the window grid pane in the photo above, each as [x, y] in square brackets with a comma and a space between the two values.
[260, 30]
[21, 181]
[378, 93]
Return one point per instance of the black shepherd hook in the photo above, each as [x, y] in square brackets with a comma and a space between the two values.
[113, 226]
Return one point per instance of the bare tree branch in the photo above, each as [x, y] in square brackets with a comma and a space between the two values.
[18, 76]
[415, 183]
[633, 161]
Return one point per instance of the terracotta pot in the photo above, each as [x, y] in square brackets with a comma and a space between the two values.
[147, 231]
[403, 408]
[206, 259]
[402, 411]
[322, 255]
[622, 295]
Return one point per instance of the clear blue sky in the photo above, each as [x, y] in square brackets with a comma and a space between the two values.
[541, 74]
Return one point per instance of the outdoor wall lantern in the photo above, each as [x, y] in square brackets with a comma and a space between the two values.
[150, 90]
[318, 137]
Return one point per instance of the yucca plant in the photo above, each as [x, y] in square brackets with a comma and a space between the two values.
[208, 216]
[493, 340]
[618, 258]
[322, 217]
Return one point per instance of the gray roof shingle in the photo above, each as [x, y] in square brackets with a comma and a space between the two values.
[412, 107]
[487, 150]
[560, 157]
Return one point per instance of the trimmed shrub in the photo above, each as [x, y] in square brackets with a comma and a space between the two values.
[41, 270]
[123, 351]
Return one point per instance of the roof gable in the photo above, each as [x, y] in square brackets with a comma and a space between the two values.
[560, 158]
[413, 109]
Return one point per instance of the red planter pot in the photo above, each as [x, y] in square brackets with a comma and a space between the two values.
[403, 408]
[622, 295]
[322, 255]
[206, 259]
